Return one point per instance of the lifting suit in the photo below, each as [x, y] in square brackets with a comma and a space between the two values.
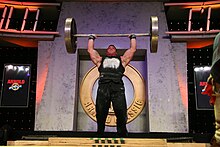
[111, 89]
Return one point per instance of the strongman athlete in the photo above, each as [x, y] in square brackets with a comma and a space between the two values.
[111, 86]
[212, 89]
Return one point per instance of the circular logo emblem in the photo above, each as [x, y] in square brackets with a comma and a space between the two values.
[133, 110]
[15, 86]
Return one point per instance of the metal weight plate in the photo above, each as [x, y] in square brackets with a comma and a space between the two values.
[154, 34]
[70, 40]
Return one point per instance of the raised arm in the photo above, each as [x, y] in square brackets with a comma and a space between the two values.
[94, 55]
[129, 53]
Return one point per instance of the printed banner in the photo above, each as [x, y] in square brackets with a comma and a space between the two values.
[16, 84]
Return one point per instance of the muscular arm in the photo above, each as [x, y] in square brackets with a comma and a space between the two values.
[128, 55]
[94, 55]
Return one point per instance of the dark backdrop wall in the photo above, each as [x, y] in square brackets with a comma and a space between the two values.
[19, 118]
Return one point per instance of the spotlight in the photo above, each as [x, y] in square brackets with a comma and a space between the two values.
[27, 69]
[20, 68]
[8, 67]
[202, 10]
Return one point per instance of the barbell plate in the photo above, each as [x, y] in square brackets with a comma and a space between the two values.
[154, 34]
[70, 39]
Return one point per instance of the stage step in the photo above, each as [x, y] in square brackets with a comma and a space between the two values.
[27, 143]
[188, 145]
[103, 142]
[136, 142]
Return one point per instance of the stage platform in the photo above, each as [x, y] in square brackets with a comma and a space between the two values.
[103, 142]
[110, 139]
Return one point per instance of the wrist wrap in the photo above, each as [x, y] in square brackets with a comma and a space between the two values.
[132, 36]
[92, 37]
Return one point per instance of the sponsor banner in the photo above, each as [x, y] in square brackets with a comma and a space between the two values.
[15, 85]
[201, 73]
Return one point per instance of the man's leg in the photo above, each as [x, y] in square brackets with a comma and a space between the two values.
[120, 109]
[102, 107]
[216, 139]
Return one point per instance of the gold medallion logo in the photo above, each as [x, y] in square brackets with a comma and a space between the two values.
[133, 110]
[15, 86]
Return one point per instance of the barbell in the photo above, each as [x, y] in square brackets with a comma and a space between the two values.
[71, 35]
